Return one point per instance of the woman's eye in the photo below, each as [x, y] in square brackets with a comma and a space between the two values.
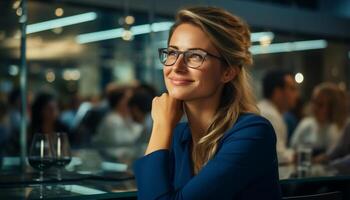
[171, 53]
[195, 56]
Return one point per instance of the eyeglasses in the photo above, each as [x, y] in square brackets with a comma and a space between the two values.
[193, 58]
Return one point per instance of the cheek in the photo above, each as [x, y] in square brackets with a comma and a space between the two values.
[55, 112]
[325, 111]
[48, 114]
[289, 96]
[320, 111]
[209, 81]
[166, 72]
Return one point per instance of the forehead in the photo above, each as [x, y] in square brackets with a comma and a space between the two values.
[320, 99]
[51, 103]
[187, 36]
[318, 94]
[289, 80]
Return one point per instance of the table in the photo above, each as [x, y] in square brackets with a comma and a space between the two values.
[84, 182]
[320, 179]
[107, 184]
[86, 189]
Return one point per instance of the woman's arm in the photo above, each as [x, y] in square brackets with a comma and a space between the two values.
[246, 156]
[166, 113]
[342, 148]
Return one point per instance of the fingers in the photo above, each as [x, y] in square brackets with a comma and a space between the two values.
[166, 101]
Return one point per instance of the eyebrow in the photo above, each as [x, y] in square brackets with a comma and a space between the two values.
[177, 48]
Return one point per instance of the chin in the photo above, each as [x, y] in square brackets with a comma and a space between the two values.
[180, 94]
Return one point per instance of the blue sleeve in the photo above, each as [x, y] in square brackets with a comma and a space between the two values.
[245, 155]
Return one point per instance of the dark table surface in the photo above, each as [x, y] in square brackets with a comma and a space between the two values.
[102, 181]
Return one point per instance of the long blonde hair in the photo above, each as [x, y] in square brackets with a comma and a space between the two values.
[336, 102]
[231, 36]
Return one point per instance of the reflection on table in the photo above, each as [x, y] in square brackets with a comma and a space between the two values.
[90, 177]
[319, 179]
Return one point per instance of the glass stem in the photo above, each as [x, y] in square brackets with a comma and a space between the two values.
[59, 174]
[41, 195]
[41, 175]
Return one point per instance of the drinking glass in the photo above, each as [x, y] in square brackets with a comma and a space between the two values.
[41, 156]
[304, 154]
[62, 151]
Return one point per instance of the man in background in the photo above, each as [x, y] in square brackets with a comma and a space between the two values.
[280, 93]
[140, 105]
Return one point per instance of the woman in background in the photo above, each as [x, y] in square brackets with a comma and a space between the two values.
[45, 115]
[322, 130]
[226, 150]
[117, 134]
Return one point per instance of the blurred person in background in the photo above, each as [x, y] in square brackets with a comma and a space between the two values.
[12, 145]
[340, 154]
[280, 93]
[4, 126]
[14, 102]
[68, 115]
[45, 115]
[293, 117]
[322, 130]
[140, 105]
[117, 134]
[89, 116]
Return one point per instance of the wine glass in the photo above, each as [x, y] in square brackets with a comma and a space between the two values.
[41, 156]
[62, 151]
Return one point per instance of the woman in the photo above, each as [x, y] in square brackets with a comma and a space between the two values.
[117, 134]
[322, 130]
[225, 151]
[45, 112]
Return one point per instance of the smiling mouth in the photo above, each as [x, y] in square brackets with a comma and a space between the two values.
[180, 82]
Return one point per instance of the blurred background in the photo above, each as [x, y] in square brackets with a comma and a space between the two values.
[96, 56]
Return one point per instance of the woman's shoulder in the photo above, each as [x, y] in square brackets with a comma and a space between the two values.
[306, 126]
[251, 125]
[255, 117]
[308, 121]
[251, 120]
[251, 134]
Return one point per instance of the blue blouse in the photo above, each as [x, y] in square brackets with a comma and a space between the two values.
[244, 167]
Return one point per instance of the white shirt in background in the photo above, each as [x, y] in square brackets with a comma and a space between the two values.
[310, 133]
[117, 136]
[270, 112]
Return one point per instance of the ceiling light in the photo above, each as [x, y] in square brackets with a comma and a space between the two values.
[288, 47]
[299, 77]
[61, 22]
[59, 12]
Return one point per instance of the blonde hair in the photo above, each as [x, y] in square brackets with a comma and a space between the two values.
[336, 102]
[231, 36]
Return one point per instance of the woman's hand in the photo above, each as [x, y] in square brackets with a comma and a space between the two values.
[166, 113]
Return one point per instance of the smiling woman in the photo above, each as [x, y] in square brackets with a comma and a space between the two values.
[214, 155]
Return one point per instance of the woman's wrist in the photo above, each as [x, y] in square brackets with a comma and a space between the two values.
[162, 128]
[160, 138]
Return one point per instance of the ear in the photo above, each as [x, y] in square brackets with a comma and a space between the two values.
[229, 74]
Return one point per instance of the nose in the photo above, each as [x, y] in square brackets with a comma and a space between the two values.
[180, 64]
